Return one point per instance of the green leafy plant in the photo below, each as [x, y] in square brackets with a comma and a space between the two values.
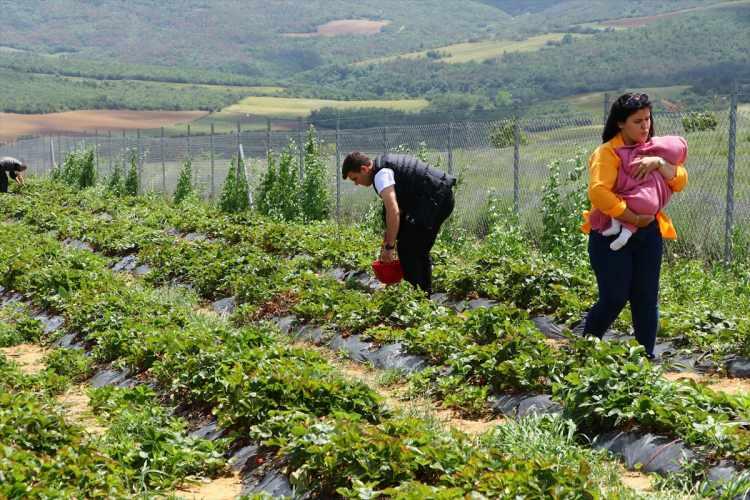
[503, 135]
[278, 192]
[116, 181]
[315, 197]
[78, 169]
[699, 122]
[185, 182]
[234, 195]
[132, 182]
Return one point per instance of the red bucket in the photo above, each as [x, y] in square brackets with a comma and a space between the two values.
[388, 272]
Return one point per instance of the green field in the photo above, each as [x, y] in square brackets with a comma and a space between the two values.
[477, 51]
[288, 107]
[592, 103]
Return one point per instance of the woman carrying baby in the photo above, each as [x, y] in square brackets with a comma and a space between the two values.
[632, 175]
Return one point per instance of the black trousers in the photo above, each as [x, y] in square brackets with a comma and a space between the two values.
[630, 274]
[3, 182]
[414, 245]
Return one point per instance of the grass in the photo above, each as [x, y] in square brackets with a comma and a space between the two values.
[290, 107]
[478, 51]
[623, 23]
[592, 103]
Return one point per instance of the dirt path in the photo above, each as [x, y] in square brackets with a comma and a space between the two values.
[75, 402]
[734, 386]
[29, 357]
[637, 481]
[393, 395]
[223, 488]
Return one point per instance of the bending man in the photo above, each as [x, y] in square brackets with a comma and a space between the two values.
[417, 198]
[13, 168]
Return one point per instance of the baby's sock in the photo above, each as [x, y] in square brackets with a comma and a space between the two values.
[613, 229]
[621, 240]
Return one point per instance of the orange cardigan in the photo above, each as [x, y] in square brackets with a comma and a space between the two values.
[603, 167]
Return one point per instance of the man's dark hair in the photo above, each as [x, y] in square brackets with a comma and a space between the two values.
[622, 108]
[353, 163]
[21, 167]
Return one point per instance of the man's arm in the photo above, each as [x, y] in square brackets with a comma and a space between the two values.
[392, 222]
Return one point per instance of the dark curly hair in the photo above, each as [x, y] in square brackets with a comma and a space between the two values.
[621, 109]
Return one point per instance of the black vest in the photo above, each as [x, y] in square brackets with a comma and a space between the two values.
[8, 164]
[420, 188]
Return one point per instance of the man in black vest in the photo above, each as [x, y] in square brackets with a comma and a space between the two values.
[14, 168]
[418, 198]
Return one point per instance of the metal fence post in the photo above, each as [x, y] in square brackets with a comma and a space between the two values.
[730, 174]
[52, 152]
[268, 137]
[163, 163]
[336, 170]
[189, 152]
[450, 148]
[605, 115]
[59, 149]
[125, 158]
[96, 150]
[140, 163]
[516, 165]
[239, 143]
[301, 148]
[211, 156]
[385, 140]
[111, 151]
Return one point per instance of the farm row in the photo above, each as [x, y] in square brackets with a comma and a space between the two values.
[470, 359]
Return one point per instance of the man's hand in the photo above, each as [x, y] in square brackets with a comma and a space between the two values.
[387, 255]
[644, 165]
[19, 178]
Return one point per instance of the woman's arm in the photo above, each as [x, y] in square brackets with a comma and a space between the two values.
[675, 175]
[603, 168]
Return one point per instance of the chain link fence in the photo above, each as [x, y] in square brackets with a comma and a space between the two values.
[508, 160]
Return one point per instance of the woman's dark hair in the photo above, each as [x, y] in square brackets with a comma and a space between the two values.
[621, 109]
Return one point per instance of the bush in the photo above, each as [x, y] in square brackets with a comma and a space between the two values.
[699, 122]
[282, 195]
[234, 195]
[131, 181]
[78, 169]
[278, 192]
[315, 197]
[185, 182]
[116, 182]
[503, 135]
[563, 200]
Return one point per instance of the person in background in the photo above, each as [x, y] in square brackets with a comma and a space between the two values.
[417, 198]
[13, 168]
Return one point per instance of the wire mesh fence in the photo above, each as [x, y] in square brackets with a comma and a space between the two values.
[506, 160]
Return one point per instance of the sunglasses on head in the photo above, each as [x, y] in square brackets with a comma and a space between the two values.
[636, 101]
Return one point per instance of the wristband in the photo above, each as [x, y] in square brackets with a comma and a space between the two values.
[389, 247]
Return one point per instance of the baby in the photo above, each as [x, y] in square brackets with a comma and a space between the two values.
[648, 195]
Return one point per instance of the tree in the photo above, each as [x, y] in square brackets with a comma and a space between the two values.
[315, 197]
[185, 182]
[116, 182]
[234, 194]
[131, 181]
